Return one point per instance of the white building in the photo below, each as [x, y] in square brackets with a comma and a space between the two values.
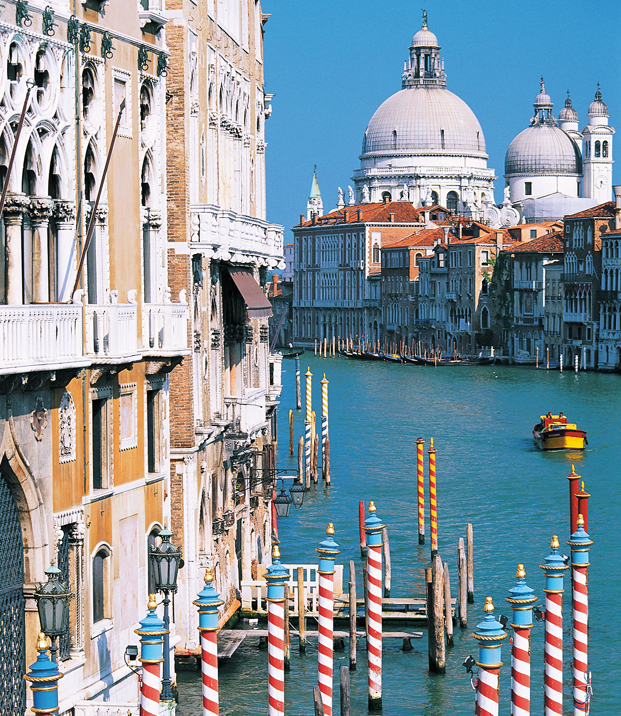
[552, 169]
[424, 144]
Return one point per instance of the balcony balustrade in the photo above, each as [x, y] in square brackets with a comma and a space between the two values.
[165, 326]
[247, 413]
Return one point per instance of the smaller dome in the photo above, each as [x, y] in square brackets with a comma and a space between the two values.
[425, 38]
[543, 150]
[598, 108]
[568, 113]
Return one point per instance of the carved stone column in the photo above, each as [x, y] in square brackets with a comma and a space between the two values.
[152, 226]
[66, 259]
[16, 205]
[40, 213]
[77, 543]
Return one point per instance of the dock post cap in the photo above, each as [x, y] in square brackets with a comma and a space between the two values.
[372, 507]
[42, 643]
[489, 605]
[152, 604]
[330, 530]
[324, 379]
[208, 575]
[521, 572]
[275, 552]
[580, 521]
[555, 544]
[308, 372]
[573, 475]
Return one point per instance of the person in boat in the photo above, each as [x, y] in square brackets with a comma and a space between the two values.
[549, 416]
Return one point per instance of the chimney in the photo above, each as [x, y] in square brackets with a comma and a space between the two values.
[345, 215]
[617, 191]
[385, 200]
[359, 212]
[446, 230]
[314, 219]
[275, 283]
[426, 217]
[302, 219]
[499, 241]
[391, 218]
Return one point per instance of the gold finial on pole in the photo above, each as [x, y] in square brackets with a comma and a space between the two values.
[521, 572]
[580, 521]
[582, 486]
[431, 444]
[152, 604]
[330, 530]
[371, 506]
[42, 643]
[554, 544]
[208, 575]
[275, 552]
[489, 605]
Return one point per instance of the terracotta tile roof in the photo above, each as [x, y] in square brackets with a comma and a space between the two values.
[548, 243]
[403, 212]
[421, 238]
[602, 211]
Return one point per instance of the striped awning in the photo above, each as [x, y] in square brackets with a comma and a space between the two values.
[256, 301]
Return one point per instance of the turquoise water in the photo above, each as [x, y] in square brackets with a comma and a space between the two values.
[490, 474]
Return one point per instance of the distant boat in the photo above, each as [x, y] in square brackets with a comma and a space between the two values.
[553, 432]
[292, 354]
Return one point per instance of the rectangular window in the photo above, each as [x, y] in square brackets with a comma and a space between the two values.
[152, 431]
[533, 233]
[469, 257]
[528, 188]
[459, 257]
[128, 418]
[98, 442]
[484, 258]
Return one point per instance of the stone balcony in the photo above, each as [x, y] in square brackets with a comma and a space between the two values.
[228, 236]
[68, 336]
[247, 413]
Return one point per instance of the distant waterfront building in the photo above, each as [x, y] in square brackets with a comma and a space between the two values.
[609, 347]
[581, 281]
[424, 145]
[337, 267]
[552, 169]
[537, 298]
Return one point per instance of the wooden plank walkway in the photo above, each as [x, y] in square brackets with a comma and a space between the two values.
[229, 641]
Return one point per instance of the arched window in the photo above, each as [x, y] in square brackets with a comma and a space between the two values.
[434, 198]
[442, 138]
[597, 149]
[394, 138]
[376, 254]
[484, 318]
[451, 201]
[101, 577]
[386, 196]
[604, 149]
[418, 256]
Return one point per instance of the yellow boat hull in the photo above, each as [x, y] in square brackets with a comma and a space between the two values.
[562, 442]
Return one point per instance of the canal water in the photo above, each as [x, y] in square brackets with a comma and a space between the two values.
[490, 474]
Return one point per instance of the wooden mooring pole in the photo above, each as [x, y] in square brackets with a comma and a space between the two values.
[317, 702]
[462, 584]
[325, 465]
[298, 388]
[448, 616]
[435, 624]
[470, 556]
[287, 633]
[353, 613]
[345, 692]
[363, 534]
[301, 610]
[387, 564]
[291, 432]
[315, 458]
[301, 476]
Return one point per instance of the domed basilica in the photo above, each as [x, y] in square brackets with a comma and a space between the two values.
[424, 144]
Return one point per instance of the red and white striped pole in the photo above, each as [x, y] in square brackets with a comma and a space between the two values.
[152, 632]
[553, 569]
[522, 599]
[277, 578]
[489, 633]
[580, 545]
[208, 603]
[373, 528]
[328, 551]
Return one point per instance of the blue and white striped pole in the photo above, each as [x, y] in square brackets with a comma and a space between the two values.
[324, 416]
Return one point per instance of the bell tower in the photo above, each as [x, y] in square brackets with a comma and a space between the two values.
[597, 152]
[314, 206]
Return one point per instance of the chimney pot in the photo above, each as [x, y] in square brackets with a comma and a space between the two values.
[301, 218]
[359, 212]
[345, 214]
[391, 218]
[314, 219]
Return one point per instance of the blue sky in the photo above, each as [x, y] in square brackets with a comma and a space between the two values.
[331, 63]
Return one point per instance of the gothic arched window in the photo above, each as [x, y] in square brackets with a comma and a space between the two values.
[101, 577]
[597, 149]
[604, 149]
[484, 318]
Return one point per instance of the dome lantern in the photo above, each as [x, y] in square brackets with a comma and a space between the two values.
[598, 110]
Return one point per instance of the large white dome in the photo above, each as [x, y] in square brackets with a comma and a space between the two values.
[417, 121]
